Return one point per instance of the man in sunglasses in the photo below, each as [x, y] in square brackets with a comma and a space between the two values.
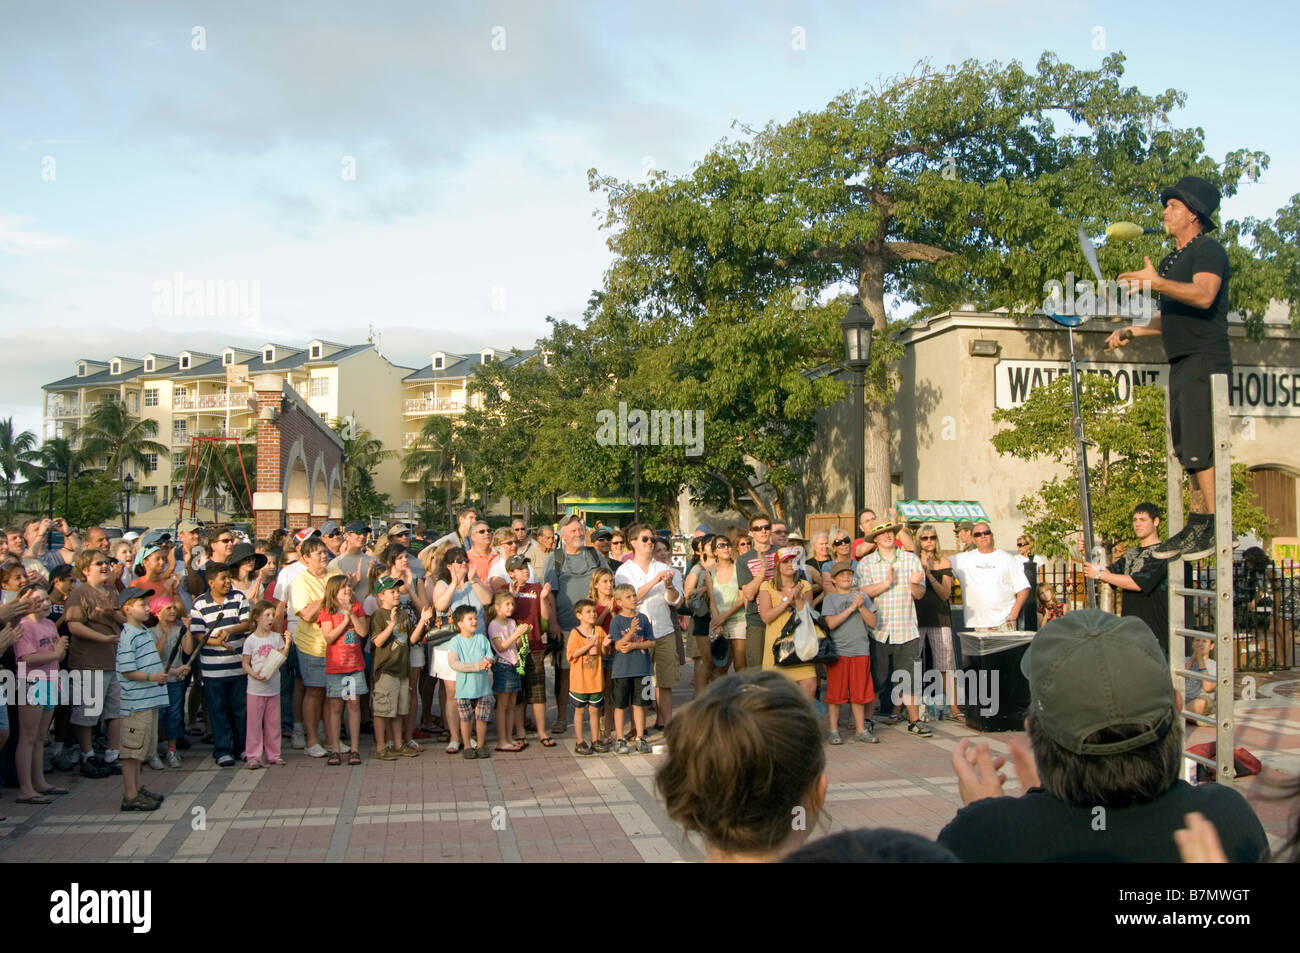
[333, 537]
[993, 586]
[1031, 566]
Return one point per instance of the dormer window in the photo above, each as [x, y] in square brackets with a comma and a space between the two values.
[546, 359]
[184, 362]
[81, 369]
[148, 364]
[487, 356]
[439, 361]
[315, 352]
[115, 367]
[228, 358]
[268, 355]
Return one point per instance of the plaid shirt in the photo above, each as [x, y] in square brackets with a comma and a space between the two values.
[895, 608]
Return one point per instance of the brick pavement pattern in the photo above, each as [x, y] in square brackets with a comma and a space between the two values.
[539, 805]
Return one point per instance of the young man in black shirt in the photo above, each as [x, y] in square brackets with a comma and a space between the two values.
[1143, 577]
[1102, 781]
[1192, 282]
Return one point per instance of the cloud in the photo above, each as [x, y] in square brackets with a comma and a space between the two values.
[16, 240]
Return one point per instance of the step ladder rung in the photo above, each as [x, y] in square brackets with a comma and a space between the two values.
[1195, 593]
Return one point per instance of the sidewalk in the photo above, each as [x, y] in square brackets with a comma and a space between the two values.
[539, 805]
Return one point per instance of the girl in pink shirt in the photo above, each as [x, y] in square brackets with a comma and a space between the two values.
[38, 651]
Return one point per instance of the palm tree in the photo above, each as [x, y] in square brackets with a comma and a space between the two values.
[362, 452]
[58, 453]
[431, 455]
[18, 458]
[119, 438]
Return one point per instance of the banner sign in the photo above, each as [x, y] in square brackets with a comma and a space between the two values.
[940, 511]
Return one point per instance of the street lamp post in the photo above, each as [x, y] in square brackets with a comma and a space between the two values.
[856, 326]
[128, 483]
[634, 438]
[52, 476]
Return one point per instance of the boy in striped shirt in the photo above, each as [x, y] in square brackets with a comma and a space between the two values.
[144, 691]
[220, 619]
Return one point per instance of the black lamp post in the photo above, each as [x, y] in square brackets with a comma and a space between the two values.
[128, 483]
[634, 438]
[856, 326]
[52, 476]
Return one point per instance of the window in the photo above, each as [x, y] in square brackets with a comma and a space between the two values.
[228, 358]
[81, 370]
[179, 428]
[315, 351]
[185, 362]
[179, 393]
[487, 357]
[150, 462]
[115, 367]
[439, 362]
[546, 359]
[151, 396]
[148, 364]
[324, 416]
[268, 355]
[320, 387]
[179, 460]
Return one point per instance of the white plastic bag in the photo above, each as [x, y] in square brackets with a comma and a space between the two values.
[805, 635]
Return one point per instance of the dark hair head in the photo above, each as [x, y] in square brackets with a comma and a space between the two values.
[881, 846]
[1255, 558]
[1113, 780]
[1147, 509]
[741, 757]
[460, 612]
[260, 606]
[391, 552]
[310, 545]
[582, 604]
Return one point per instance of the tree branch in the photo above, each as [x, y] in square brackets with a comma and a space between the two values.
[916, 251]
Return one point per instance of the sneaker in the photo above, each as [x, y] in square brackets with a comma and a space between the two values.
[1194, 541]
[642, 746]
[173, 759]
[154, 795]
[583, 749]
[620, 747]
[155, 762]
[253, 764]
[601, 747]
[408, 751]
[114, 766]
[317, 751]
[225, 761]
[67, 759]
[94, 768]
[141, 802]
[867, 736]
[385, 754]
[299, 740]
[834, 738]
[919, 728]
[470, 754]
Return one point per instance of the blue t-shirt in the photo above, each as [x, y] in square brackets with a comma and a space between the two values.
[476, 649]
[636, 663]
[466, 596]
[137, 652]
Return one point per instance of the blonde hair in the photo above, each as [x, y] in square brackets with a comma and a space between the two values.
[596, 577]
[938, 544]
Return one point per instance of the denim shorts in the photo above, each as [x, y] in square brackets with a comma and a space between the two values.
[346, 684]
[312, 670]
[505, 678]
[42, 693]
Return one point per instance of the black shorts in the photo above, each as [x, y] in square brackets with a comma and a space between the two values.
[1190, 413]
[629, 691]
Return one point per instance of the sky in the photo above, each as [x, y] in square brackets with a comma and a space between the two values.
[420, 168]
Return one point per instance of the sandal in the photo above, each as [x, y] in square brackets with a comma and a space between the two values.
[414, 745]
[354, 757]
[454, 747]
[512, 748]
[35, 799]
[334, 758]
[444, 736]
[958, 716]
[547, 742]
[55, 791]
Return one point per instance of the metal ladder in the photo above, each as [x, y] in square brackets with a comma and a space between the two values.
[1220, 597]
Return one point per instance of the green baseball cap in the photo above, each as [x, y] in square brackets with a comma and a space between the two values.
[387, 582]
[1090, 670]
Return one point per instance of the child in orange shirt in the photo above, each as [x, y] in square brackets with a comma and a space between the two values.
[587, 643]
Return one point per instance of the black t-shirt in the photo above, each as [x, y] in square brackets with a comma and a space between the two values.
[1187, 330]
[1151, 604]
[931, 611]
[1037, 828]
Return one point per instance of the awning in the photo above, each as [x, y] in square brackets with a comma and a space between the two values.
[940, 511]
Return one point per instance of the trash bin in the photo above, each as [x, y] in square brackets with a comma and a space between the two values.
[994, 692]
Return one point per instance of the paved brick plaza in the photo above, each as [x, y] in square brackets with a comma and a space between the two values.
[440, 807]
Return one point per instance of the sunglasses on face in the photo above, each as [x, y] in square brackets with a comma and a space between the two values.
[761, 528]
[841, 542]
[101, 563]
[721, 545]
[225, 539]
[616, 542]
[644, 539]
[924, 538]
[477, 531]
[460, 561]
[982, 532]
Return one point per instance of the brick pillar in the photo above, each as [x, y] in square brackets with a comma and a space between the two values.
[268, 501]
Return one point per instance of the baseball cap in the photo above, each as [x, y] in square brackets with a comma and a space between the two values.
[357, 526]
[1090, 670]
[398, 529]
[188, 526]
[304, 534]
[787, 552]
[132, 592]
[130, 537]
[386, 583]
[329, 528]
[155, 536]
[965, 524]
[840, 567]
[703, 528]
[603, 533]
[516, 562]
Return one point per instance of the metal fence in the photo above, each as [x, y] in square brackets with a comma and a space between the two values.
[1266, 608]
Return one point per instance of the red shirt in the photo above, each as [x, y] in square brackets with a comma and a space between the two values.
[528, 608]
[343, 656]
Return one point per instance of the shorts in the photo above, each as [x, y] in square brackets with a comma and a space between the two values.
[346, 685]
[1189, 407]
[440, 668]
[107, 689]
[629, 691]
[535, 677]
[667, 668]
[140, 734]
[505, 678]
[475, 709]
[40, 693]
[587, 700]
[312, 670]
[901, 656]
[849, 680]
[942, 656]
[418, 656]
[392, 698]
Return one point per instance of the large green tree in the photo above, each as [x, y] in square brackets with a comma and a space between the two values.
[362, 454]
[19, 459]
[933, 190]
[120, 439]
[431, 460]
[1126, 463]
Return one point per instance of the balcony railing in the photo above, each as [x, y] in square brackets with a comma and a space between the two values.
[63, 410]
[202, 402]
[429, 405]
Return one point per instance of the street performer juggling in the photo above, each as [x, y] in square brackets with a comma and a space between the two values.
[1192, 282]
